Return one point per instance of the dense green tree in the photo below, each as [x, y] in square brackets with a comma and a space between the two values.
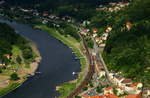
[90, 43]
[14, 76]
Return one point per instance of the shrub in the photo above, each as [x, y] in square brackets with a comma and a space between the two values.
[14, 76]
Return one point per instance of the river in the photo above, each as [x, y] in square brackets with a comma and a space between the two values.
[56, 66]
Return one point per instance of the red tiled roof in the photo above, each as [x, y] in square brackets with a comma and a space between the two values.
[96, 97]
[111, 96]
[108, 88]
[129, 23]
[133, 96]
[104, 96]
[95, 30]
[97, 38]
[134, 84]
[86, 96]
[126, 81]
[123, 2]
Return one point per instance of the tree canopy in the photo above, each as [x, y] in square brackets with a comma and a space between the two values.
[126, 50]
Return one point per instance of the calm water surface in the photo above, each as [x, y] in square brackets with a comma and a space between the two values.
[56, 66]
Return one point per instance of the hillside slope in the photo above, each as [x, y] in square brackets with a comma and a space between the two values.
[128, 50]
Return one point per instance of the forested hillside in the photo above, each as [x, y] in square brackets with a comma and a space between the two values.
[48, 4]
[9, 39]
[128, 49]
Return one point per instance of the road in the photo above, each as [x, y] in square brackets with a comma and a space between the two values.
[100, 58]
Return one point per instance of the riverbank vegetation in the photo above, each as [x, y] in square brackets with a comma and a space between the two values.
[76, 46]
[15, 55]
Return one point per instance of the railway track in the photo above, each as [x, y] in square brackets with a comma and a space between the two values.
[89, 75]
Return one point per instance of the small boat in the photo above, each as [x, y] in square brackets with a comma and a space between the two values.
[73, 73]
[76, 58]
[73, 52]
[38, 72]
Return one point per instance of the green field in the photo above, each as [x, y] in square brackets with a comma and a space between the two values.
[75, 45]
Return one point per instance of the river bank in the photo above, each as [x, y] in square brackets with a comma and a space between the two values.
[66, 88]
[24, 73]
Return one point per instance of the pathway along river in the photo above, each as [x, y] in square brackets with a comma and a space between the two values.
[56, 66]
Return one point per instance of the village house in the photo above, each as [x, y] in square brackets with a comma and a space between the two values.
[123, 4]
[108, 90]
[102, 45]
[100, 42]
[146, 92]
[45, 21]
[45, 13]
[137, 85]
[97, 39]
[67, 18]
[112, 3]
[131, 88]
[102, 96]
[125, 83]
[111, 75]
[94, 30]
[100, 66]
[120, 91]
[134, 88]
[117, 80]
[104, 36]
[110, 9]
[129, 25]
[26, 10]
[84, 31]
[98, 9]
[36, 14]
[111, 96]
[133, 96]
[108, 29]
[86, 96]
[86, 23]
[8, 56]
[101, 6]
[102, 73]
[117, 8]
[94, 35]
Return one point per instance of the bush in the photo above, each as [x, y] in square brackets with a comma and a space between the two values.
[14, 76]
[85, 88]
[77, 97]
[18, 59]
[99, 89]
[90, 43]
[0, 70]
